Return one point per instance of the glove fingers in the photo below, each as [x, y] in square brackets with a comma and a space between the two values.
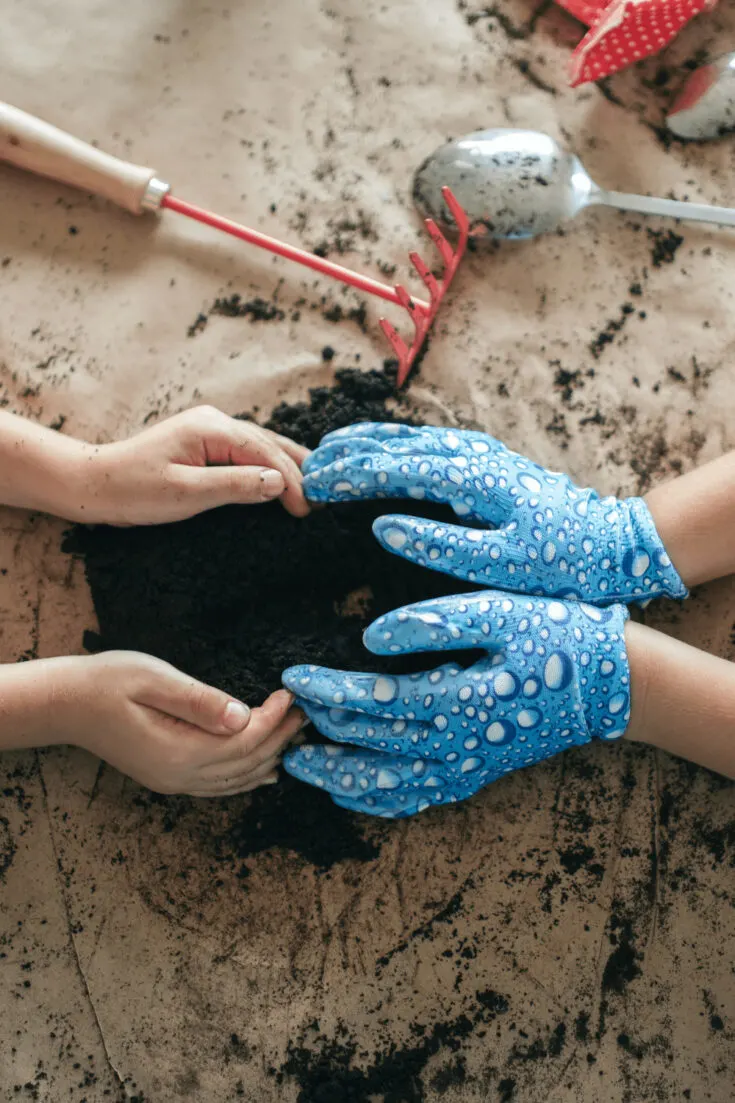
[462, 621]
[481, 747]
[419, 443]
[370, 776]
[327, 454]
[472, 554]
[395, 808]
[382, 475]
[492, 558]
[375, 430]
[403, 737]
[373, 695]
[444, 440]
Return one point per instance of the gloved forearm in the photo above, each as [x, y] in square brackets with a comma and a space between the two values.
[557, 675]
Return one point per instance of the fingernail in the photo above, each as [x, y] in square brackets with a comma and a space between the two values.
[272, 483]
[272, 779]
[236, 716]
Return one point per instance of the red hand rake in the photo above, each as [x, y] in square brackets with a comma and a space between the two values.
[37, 146]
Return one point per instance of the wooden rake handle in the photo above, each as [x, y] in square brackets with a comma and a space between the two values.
[36, 146]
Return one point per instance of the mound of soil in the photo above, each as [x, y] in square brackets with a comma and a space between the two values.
[235, 595]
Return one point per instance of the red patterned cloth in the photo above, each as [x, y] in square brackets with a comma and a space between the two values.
[624, 31]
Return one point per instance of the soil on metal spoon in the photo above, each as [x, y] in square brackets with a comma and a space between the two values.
[236, 595]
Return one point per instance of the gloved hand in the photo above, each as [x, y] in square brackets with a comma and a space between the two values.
[545, 536]
[556, 675]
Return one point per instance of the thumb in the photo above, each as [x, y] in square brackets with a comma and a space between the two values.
[170, 691]
[460, 622]
[234, 484]
[471, 554]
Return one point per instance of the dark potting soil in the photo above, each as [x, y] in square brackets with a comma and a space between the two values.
[665, 245]
[258, 310]
[234, 306]
[236, 595]
[341, 1069]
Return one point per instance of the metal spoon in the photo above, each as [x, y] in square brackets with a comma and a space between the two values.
[519, 183]
[705, 107]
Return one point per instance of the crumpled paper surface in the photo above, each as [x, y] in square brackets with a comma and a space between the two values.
[565, 936]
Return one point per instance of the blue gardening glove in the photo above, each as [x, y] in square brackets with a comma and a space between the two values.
[556, 675]
[544, 535]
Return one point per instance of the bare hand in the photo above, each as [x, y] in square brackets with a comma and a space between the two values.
[189, 463]
[164, 729]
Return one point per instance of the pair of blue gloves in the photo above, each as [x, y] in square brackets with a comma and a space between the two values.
[561, 564]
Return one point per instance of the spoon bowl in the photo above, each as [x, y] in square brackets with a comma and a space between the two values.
[511, 183]
[521, 183]
[705, 106]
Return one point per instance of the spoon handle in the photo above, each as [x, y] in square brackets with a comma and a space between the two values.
[672, 208]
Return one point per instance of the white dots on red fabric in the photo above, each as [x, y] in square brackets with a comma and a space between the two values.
[623, 31]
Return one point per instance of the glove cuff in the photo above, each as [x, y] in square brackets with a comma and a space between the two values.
[644, 568]
[604, 676]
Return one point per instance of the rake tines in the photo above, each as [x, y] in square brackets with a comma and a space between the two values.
[423, 314]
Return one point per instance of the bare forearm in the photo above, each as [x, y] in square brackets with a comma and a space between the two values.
[40, 469]
[695, 518]
[683, 700]
[26, 703]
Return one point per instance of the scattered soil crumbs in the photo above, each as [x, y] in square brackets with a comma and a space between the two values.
[567, 382]
[525, 69]
[236, 595]
[340, 1070]
[613, 327]
[665, 244]
[258, 310]
[7, 847]
[345, 233]
[358, 314]
[233, 306]
[622, 964]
